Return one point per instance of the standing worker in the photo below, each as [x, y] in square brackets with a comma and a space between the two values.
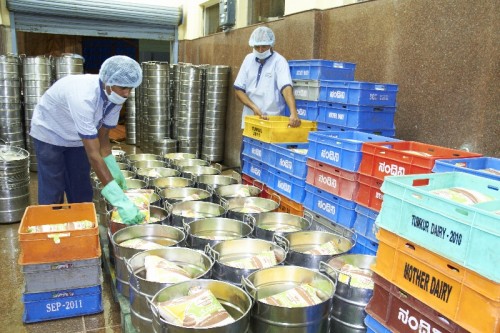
[264, 83]
[70, 129]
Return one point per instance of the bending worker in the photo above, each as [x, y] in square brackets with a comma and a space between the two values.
[70, 129]
[264, 83]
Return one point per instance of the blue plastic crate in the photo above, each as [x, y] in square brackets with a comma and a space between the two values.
[383, 132]
[358, 93]
[355, 116]
[256, 149]
[61, 304]
[341, 149]
[330, 206]
[364, 246]
[374, 326]
[318, 69]
[288, 185]
[473, 165]
[307, 110]
[255, 169]
[365, 222]
[284, 158]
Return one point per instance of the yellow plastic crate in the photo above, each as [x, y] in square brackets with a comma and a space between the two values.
[275, 129]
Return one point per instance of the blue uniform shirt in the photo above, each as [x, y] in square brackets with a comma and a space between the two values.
[263, 83]
[72, 109]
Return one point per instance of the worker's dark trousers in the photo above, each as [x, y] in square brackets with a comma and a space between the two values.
[62, 170]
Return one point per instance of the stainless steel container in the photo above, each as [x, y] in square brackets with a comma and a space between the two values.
[173, 195]
[194, 262]
[171, 157]
[186, 212]
[351, 295]
[236, 301]
[141, 164]
[178, 164]
[299, 243]
[240, 208]
[214, 181]
[148, 174]
[224, 252]
[199, 170]
[160, 234]
[268, 224]
[170, 182]
[236, 191]
[270, 318]
[214, 230]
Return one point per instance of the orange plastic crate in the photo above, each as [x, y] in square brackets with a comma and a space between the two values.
[48, 247]
[286, 205]
[369, 193]
[334, 180]
[470, 300]
[380, 159]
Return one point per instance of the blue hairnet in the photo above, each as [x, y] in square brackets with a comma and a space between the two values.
[121, 71]
[261, 36]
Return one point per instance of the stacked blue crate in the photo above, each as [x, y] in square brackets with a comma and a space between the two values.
[340, 151]
[360, 106]
[306, 75]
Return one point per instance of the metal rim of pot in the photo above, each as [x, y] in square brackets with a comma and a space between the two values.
[214, 181]
[304, 222]
[179, 220]
[171, 196]
[219, 191]
[193, 239]
[299, 258]
[241, 324]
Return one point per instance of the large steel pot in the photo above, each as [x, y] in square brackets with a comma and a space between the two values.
[241, 208]
[160, 234]
[143, 157]
[118, 153]
[214, 230]
[141, 164]
[271, 318]
[207, 182]
[236, 191]
[198, 170]
[170, 182]
[352, 293]
[188, 211]
[298, 243]
[171, 157]
[148, 174]
[195, 262]
[224, 252]
[178, 164]
[236, 301]
[173, 195]
[268, 224]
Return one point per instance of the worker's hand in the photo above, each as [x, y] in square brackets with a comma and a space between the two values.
[259, 113]
[129, 212]
[115, 171]
[294, 121]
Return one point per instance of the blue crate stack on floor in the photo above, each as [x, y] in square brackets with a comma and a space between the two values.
[333, 161]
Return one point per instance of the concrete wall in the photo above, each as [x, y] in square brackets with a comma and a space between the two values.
[442, 54]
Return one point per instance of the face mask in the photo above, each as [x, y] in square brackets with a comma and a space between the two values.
[115, 98]
[262, 55]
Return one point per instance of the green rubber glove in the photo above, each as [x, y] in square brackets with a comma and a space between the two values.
[129, 212]
[115, 171]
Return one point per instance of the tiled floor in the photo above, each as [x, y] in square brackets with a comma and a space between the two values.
[11, 289]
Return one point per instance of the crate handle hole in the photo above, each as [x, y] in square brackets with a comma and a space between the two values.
[443, 319]
[410, 246]
[462, 211]
[494, 188]
[60, 207]
[453, 268]
[421, 182]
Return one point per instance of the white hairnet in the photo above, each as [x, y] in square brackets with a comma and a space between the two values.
[261, 36]
[121, 71]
